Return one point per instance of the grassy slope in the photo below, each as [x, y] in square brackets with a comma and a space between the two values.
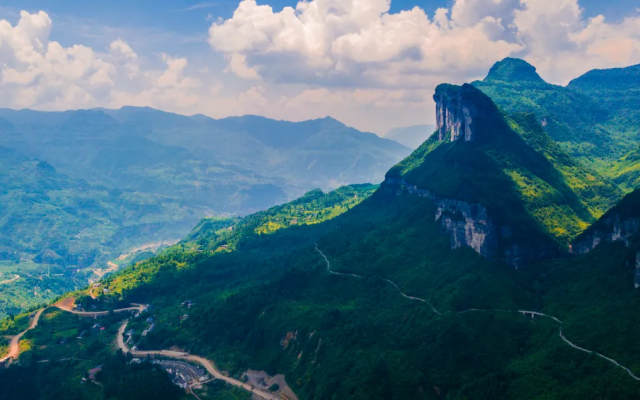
[358, 338]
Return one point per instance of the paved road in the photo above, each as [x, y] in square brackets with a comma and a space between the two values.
[14, 347]
[10, 280]
[208, 365]
[523, 312]
[329, 266]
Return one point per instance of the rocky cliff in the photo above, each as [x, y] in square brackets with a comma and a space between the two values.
[455, 113]
[611, 228]
[469, 225]
[620, 224]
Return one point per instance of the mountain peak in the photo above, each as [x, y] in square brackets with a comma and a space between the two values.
[457, 110]
[513, 70]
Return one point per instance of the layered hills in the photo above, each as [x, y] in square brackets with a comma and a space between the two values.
[497, 261]
[453, 279]
[80, 188]
[594, 118]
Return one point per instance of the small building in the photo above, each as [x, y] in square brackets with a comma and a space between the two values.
[105, 291]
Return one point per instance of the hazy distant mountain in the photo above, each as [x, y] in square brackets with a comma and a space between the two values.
[180, 168]
[411, 136]
[235, 165]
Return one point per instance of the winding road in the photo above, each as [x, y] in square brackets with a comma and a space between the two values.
[523, 312]
[68, 305]
[14, 347]
[10, 280]
[208, 365]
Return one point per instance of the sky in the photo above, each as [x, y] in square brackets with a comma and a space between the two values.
[372, 64]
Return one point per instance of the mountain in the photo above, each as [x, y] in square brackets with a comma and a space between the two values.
[527, 186]
[594, 118]
[52, 222]
[299, 156]
[617, 90]
[577, 121]
[411, 136]
[234, 165]
[80, 188]
[452, 279]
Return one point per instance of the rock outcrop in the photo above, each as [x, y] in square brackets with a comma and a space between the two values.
[611, 228]
[469, 225]
[620, 224]
[455, 113]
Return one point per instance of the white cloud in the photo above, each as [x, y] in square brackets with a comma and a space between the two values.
[351, 59]
[359, 43]
[353, 43]
[36, 72]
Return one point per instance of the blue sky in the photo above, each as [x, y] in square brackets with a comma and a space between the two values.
[374, 70]
[190, 17]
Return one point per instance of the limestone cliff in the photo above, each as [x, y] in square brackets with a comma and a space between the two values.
[620, 224]
[469, 225]
[611, 228]
[455, 113]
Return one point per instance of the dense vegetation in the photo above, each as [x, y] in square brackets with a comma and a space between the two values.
[80, 188]
[393, 312]
[518, 180]
[595, 118]
[270, 304]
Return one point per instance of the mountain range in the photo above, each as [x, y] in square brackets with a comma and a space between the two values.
[80, 188]
[498, 261]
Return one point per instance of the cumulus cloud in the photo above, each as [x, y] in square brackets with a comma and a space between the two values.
[354, 43]
[359, 43]
[39, 73]
[352, 59]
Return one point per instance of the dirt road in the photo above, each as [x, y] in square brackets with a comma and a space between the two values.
[68, 304]
[208, 365]
[14, 347]
[10, 280]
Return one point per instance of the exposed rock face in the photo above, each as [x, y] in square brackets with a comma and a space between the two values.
[611, 228]
[469, 225]
[455, 114]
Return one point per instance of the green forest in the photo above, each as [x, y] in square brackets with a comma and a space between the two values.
[456, 278]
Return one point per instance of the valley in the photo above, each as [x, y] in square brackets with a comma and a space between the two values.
[499, 260]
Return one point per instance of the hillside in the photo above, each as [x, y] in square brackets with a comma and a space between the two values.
[618, 90]
[524, 184]
[388, 293]
[81, 188]
[51, 223]
[583, 125]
